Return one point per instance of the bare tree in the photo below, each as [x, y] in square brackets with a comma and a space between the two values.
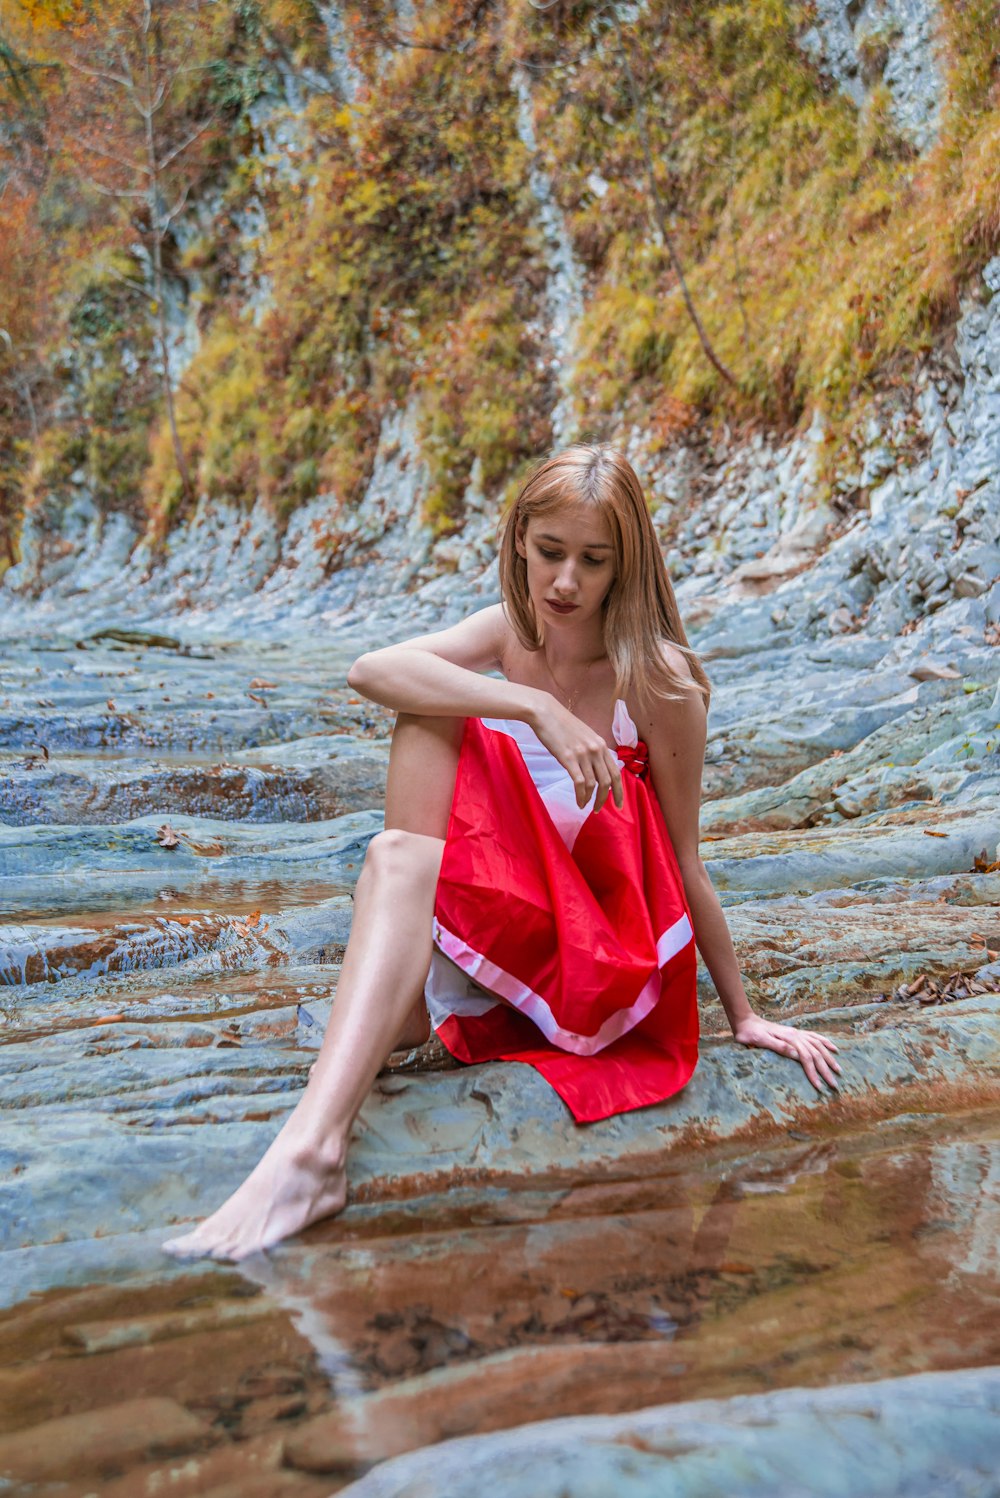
[610, 9]
[134, 63]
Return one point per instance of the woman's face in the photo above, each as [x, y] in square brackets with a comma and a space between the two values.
[570, 557]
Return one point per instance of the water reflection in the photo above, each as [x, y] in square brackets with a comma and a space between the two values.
[825, 1261]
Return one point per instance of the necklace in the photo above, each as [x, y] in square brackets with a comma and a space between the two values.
[570, 700]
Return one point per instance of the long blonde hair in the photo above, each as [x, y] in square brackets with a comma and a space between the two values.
[640, 611]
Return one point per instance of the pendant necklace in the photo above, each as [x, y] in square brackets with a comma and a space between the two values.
[571, 700]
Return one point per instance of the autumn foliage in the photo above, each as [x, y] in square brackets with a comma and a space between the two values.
[235, 236]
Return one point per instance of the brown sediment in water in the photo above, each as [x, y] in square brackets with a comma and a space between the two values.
[805, 1261]
[825, 1261]
[219, 1370]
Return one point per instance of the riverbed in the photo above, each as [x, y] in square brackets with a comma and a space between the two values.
[182, 819]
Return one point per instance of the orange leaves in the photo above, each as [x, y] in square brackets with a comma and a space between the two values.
[52, 15]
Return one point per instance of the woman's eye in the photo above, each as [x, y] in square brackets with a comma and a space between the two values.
[550, 556]
[594, 561]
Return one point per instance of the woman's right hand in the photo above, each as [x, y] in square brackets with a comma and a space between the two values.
[583, 754]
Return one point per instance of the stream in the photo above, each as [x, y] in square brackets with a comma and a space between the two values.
[180, 829]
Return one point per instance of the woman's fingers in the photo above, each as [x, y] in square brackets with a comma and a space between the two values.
[615, 771]
[596, 768]
[604, 784]
[811, 1051]
[816, 1065]
[608, 775]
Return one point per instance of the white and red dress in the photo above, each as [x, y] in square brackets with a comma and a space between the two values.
[563, 938]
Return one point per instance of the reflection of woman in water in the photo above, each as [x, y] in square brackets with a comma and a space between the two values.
[537, 893]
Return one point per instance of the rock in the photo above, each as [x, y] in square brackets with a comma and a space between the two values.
[107, 1336]
[494, 1393]
[100, 1440]
[928, 670]
[927, 1434]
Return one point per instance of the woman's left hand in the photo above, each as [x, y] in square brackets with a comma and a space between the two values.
[813, 1051]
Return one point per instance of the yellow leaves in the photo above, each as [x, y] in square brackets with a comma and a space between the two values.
[52, 15]
[366, 199]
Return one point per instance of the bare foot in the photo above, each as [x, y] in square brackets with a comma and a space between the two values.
[290, 1188]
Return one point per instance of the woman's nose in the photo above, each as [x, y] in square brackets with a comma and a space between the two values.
[566, 578]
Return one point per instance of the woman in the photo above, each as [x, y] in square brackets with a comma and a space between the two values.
[541, 904]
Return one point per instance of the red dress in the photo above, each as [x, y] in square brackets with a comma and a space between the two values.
[563, 938]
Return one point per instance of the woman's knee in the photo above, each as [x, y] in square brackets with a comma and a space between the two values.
[447, 729]
[394, 852]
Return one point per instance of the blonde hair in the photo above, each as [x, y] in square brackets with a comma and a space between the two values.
[640, 610]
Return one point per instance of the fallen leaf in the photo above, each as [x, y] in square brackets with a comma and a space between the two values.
[168, 838]
[254, 698]
[253, 918]
[264, 686]
[929, 833]
[211, 849]
[111, 706]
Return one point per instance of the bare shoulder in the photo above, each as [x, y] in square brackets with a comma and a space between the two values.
[681, 716]
[676, 659]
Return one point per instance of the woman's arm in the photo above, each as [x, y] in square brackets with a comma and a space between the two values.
[676, 734]
[439, 675]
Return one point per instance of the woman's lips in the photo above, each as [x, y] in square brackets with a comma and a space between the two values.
[562, 608]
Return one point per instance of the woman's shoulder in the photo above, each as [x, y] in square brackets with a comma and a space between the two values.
[675, 660]
[683, 708]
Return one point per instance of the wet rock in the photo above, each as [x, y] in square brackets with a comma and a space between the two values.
[44, 954]
[108, 1336]
[50, 870]
[906, 844]
[100, 1440]
[92, 1144]
[504, 1123]
[482, 1397]
[927, 1434]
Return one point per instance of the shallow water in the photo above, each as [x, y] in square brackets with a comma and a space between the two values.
[816, 1261]
[157, 1017]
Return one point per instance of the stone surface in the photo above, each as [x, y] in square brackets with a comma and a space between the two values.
[165, 994]
[902, 1438]
[100, 1440]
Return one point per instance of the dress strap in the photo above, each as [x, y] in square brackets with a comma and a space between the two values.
[623, 730]
[632, 752]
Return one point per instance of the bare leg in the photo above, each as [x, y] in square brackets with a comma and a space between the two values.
[302, 1176]
[418, 795]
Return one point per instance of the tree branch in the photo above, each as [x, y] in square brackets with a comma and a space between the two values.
[105, 77]
[189, 141]
[135, 166]
[172, 213]
[659, 212]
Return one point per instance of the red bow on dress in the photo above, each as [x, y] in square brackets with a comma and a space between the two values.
[635, 758]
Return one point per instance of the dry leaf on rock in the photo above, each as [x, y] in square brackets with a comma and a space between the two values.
[167, 837]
